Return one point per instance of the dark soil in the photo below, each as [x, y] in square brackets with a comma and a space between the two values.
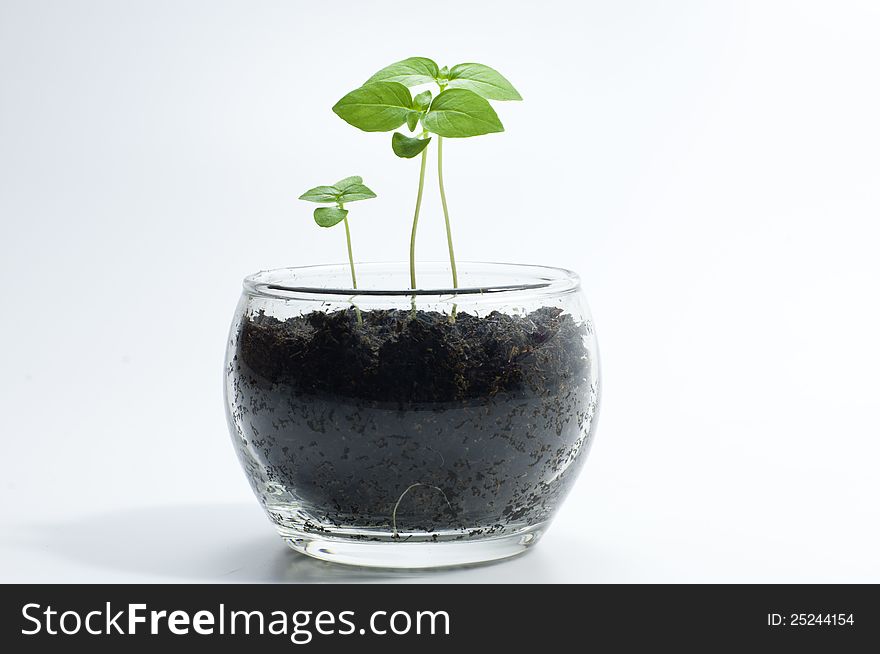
[482, 418]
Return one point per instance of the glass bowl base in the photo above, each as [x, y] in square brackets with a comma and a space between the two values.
[403, 554]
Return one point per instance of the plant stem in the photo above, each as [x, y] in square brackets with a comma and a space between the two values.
[446, 211]
[446, 217]
[412, 240]
[354, 282]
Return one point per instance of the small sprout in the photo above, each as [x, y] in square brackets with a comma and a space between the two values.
[345, 190]
[460, 109]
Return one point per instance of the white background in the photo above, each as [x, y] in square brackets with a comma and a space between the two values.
[710, 168]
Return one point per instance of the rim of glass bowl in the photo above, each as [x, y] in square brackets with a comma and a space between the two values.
[526, 280]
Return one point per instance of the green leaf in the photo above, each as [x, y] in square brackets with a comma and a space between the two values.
[412, 120]
[321, 194]
[356, 192]
[482, 80]
[343, 184]
[329, 216]
[407, 147]
[420, 105]
[375, 107]
[422, 101]
[409, 72]
[459, 113]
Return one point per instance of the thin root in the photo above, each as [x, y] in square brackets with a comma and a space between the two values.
[394, 532]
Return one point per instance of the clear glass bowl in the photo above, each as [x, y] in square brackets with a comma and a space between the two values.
[408, 429]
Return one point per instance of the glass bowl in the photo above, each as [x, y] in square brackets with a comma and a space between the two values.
[412, 428]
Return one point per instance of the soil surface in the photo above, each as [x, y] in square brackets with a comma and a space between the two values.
[411, 422]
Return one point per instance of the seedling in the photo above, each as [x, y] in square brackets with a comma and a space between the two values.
[345, 190]
[459, 110]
